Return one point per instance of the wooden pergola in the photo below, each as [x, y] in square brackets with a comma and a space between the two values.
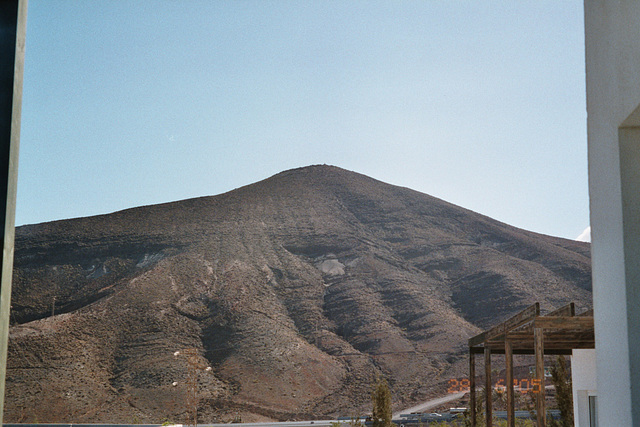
[556, 333]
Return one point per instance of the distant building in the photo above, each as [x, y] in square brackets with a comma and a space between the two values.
[583, 375]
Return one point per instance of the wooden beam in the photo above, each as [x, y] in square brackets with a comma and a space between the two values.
[552, 348]
[523, 336]
[568, 342]
[565, 339]
[476, 350]
[488, 411]
[567, 310]
[519, 319]
[531, 352]
[495, 332]
[563, 322]
[511, 409]
[547, 352]
[477, 340]
[539, 378]
[525, 327]
[524, 316]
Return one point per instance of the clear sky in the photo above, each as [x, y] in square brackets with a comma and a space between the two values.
[478, 102]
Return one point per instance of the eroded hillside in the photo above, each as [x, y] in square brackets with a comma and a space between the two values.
[297, 290]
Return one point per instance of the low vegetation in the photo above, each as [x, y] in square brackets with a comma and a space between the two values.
[562, 382]
[381, 398]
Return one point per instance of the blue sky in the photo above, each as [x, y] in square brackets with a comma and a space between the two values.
[480, 103]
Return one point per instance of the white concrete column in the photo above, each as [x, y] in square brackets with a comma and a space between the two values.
[629, 141]
[612, 39]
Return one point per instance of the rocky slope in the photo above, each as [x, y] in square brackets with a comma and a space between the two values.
[297, 290]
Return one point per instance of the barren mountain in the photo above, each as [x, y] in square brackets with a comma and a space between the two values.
[297, 290]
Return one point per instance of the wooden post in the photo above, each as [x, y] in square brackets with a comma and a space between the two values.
[511, 408]
[487, 387]
[472, 387]
[538, 334]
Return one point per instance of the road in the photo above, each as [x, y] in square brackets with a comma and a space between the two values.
[433, 403]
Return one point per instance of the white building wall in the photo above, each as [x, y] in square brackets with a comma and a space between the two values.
[583, 376]
[613, 92]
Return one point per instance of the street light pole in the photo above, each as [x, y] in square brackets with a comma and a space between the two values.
[196, 364]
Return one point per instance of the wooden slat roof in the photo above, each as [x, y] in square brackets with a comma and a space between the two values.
[563, 332]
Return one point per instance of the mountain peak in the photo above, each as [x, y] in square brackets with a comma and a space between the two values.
[296, 290]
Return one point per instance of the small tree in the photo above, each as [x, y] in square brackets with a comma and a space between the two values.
[480, 419]
[381, 399]
[564, 396]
